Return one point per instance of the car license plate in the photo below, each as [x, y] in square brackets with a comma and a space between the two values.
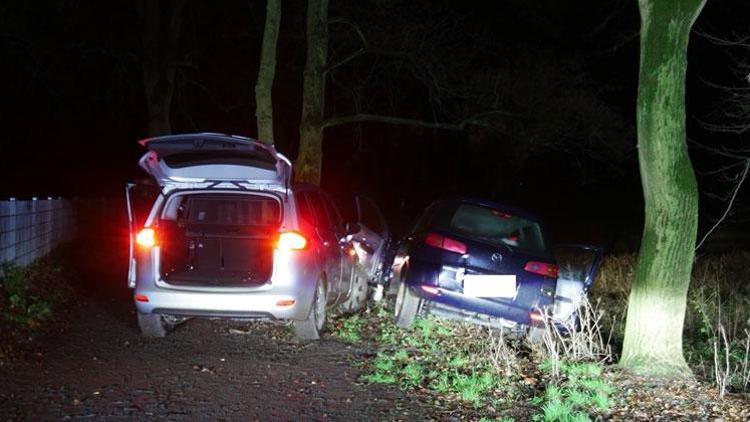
[476, 285]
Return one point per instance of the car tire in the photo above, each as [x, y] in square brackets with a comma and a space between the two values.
[358, 296]
[153, 325]
[407, 305]
[310, 328]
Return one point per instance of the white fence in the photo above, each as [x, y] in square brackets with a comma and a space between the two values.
[29, 229]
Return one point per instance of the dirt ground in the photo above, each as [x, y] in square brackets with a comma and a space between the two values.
[96, 365]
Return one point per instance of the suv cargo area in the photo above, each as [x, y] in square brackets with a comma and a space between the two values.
[226, 240]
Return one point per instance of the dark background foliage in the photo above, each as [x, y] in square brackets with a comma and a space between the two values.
[553, 83]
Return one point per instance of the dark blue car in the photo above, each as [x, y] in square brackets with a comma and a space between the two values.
[481, 261]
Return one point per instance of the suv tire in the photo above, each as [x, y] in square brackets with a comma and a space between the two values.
[153, 325]
[310, 328]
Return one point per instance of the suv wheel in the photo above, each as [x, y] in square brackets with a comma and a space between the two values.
[153, 325]
[407, 305]
[358, 295]
[310, 328]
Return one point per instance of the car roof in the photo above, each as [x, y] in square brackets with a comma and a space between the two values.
[510, 209]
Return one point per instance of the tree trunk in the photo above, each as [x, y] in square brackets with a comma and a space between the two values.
[308, 167]
[266, 72]
[158, 61]
[656, 309]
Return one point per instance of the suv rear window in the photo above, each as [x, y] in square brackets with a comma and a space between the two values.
[497, 227]
[233, 210]
[260, 159]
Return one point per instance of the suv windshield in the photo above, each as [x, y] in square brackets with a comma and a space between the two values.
[495, 226]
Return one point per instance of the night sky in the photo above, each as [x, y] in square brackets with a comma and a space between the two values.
[73, 101]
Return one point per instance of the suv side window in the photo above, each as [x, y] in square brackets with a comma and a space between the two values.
[303, 207]
[334, 218]
[321, 217]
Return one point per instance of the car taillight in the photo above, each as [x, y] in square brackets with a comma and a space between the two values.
[291, 241]
[146, 237]
[445, 243]
[541, 268]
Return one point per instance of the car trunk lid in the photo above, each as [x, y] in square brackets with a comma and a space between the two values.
[214, 161]
[488, 262]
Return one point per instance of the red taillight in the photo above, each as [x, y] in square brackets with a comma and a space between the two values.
[446, 243]
[291, 241]
[141, 298]
[541, 268]
[146, 237]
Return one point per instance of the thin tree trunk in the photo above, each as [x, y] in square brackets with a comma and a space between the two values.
[266, 72]
[158, 60]
[656, 309]
[308, 166]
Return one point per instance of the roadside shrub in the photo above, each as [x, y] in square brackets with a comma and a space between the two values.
[29, 295]
[717, 318]
[578, 339]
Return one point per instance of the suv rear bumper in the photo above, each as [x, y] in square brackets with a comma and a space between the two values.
[293, 280]
[251, 305]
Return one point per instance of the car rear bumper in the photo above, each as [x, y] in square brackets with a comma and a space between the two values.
[459, 301]
[429, 281]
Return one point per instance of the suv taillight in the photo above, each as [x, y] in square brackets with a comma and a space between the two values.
[291, 241]
[542, 268]
[146, 237]
[445, 243]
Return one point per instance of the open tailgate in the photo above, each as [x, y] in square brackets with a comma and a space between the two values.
[205, 160]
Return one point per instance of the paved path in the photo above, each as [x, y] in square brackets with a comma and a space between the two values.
[98, 366]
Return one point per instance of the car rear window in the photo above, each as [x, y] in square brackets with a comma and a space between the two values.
[233, 211]
[497, 227]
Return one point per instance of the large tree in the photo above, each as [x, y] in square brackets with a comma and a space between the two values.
[310, 157]
[161, 22]
[656, 309]
[267, 71]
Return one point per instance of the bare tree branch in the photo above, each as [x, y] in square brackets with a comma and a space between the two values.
[365, 45]
[365, 117]
[729, 206]
[345, 60]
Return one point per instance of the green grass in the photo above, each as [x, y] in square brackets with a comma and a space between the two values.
[579, 391]
[350, 330]
[448, 360]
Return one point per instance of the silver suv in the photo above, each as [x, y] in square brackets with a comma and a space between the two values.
[230, 236]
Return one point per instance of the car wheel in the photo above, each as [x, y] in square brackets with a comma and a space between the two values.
[153, 325]
[310, 328]
[407, 305]
[358, 296]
